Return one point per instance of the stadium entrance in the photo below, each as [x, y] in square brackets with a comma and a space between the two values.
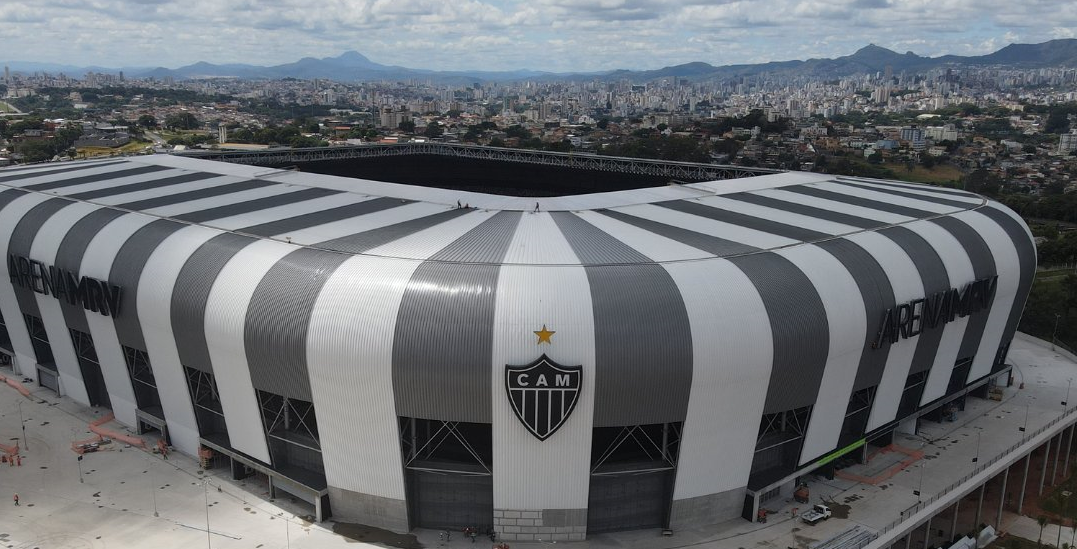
[447, 467]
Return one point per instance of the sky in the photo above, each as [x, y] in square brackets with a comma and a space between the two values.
[550, 35]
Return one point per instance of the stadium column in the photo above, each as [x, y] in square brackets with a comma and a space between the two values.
[14, 205]
[545, 479]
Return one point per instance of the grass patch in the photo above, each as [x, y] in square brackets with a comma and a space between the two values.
[132, 147]
[937, 174]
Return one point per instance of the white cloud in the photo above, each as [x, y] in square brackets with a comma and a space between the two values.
[561, 35]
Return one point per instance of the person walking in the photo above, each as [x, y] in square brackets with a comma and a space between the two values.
[16, 500]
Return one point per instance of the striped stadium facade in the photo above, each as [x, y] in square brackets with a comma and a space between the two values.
[360, 344]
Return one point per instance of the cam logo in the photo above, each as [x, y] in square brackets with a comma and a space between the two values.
[543, 394]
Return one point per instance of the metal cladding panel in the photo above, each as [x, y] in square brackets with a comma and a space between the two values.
[70, 253]
[350, 361]
[278, 317]
[695, 223]
[210, 191]
[877, 295]
[193, 207]
[554, 473]
[17, 173]
[98, 262]
[44, 248]
[101, 176]
[1008, 268]
[444, 330]
[13, 206]
[702, 209]
[298, 216]
[655, 247]
[22, 238]
[822, 204]
[881, 195]
[104, 186]
[732, 358]
[81, 174]
[126, 273]
[825, 225]
[905, 282]
[204, 181]
[228, 210]
[1026, 252]
[960, 272]
[710, 244]
[846, 322]
[631, 336]
[226, 313]
[875, 202]
[377, 233]
[805, 210]
[917, 187]
[191, 289]
[800, 330]
[163, 335]
[983, 266]
[963, 202]
[933, 274]
[144, 185]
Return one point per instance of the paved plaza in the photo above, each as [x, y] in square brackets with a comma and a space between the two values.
[127, 497]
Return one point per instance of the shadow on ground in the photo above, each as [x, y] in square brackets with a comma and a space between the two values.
[369, 534]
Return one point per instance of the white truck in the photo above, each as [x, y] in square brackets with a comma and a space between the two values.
[817, 514]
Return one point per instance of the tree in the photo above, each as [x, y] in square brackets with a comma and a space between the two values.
[433, 130]
[406, 126]
[182, 121]
[603, 124]
[147, 121]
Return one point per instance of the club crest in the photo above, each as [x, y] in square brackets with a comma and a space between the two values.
[543, 394]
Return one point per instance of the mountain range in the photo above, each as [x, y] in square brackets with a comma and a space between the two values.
[354, 66]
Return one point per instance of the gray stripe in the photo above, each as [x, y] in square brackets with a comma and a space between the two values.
[248, 206]
[914, 196]
[1026, 255]
[361, 242]
[443, 342]
[144, 185]
[700, 241]
[743, 220]
[983, 266]
[878, 296]
[934, 278]
[275, 332]
[94, 178]
[919, 187]
[643, 337]
[36, 171]
[800, 331]
[810, 211]
[8, 195]
[809, 190]
[593, 246]
[191, 293]
[23, 238]
[126, 273]
[198, 194]
[283, 226]
[70, 253]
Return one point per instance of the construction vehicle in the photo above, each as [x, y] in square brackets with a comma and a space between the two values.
[817, 514]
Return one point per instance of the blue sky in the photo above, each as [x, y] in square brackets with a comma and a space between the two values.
[553, 35]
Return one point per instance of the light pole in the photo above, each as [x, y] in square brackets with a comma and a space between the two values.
[1069, 383]
[977, 457]
[25, 442]
[1055, 331]
[80, 467]
[1022, 429]
[920, 487]
[205, 491]
[153, 485]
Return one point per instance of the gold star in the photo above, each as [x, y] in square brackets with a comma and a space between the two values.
[544, 335]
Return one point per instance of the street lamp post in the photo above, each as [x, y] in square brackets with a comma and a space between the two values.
[1022, 429]
[25, 442]
[80, 468]
[920, 487]
[1069, 383]
[205, 490]
[977, 457]
[1055, 331]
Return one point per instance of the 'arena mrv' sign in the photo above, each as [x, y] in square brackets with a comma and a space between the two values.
[934, 311]
[90, 293]
[543, 394]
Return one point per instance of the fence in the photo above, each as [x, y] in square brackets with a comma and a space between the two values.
[960, 482]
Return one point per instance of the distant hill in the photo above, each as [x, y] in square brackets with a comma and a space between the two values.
[353, 66]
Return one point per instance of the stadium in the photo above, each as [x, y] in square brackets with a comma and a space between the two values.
[430, 340]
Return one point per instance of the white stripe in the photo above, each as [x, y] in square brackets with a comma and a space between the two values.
[834, 206]
[699, 224]
[782, 216]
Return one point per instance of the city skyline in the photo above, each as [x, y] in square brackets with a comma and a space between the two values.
[546, 35]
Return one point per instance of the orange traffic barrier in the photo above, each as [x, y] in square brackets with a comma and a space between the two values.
[96, 428]
[15, 385]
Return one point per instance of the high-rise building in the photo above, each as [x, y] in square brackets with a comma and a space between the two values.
[1067, 142]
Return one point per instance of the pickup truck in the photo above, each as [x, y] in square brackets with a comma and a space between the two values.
[816, 514]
